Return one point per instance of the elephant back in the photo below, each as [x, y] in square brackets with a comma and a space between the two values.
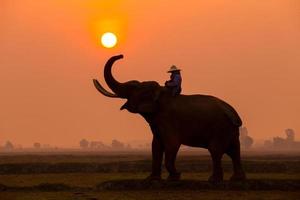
[230, 112]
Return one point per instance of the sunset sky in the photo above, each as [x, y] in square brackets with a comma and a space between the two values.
[245, 52]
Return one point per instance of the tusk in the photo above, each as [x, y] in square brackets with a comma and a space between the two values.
[102, 90]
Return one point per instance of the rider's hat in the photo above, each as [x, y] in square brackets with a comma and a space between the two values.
[173, 68]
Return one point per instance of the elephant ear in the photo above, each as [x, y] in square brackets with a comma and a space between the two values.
[150, 105]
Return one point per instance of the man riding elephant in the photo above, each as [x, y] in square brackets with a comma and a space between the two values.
[196, 120]
[174, 84]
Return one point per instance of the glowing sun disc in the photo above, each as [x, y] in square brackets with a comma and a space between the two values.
[109, 40]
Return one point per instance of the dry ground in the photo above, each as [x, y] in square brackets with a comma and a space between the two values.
[120, 176]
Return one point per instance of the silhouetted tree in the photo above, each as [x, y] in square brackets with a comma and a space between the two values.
[248, 141]
[245, 140]
[8, 146]
[84, 143]
[37, 145]
[290, 135]
[115, 144]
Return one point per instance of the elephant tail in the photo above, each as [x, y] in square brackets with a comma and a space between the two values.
[231, 113]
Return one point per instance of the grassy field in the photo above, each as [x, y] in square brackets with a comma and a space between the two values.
[120, 176]
[150, 195]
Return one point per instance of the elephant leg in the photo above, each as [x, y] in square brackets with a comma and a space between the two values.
[157, 156]
[234, 153]
[217, 175]
[170, 158]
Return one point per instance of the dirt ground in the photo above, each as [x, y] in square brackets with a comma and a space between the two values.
[121, 176]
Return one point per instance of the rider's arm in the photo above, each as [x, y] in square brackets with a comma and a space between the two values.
[175, 82]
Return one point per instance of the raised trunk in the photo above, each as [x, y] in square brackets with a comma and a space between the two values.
[112, 83]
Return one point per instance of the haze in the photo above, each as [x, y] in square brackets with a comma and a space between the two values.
[245, 52]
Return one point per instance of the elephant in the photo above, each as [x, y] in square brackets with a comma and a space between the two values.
[194, 120]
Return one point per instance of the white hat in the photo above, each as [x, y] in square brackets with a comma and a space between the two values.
[173, 68]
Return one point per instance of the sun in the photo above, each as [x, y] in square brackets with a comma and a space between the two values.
[109, 40]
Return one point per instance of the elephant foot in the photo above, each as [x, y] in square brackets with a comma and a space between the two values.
[215, 178]
[152, 177]
[174, 177]
[241, 176]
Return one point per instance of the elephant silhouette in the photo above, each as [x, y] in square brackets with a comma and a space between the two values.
[193, 120]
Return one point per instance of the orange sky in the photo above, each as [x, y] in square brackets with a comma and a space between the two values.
[245, 52]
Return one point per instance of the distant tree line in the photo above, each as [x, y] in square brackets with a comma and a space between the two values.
[115, 145]
[279, 143]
